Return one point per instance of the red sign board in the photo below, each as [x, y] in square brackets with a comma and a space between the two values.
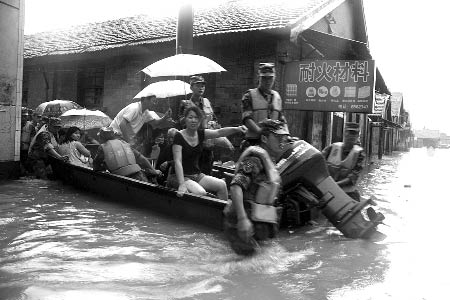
[330, 85]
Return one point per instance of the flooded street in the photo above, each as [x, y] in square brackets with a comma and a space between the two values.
[59, 243]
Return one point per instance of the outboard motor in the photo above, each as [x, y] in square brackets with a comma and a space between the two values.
[303, 164]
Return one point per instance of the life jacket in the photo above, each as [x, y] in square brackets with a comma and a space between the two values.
[119, 158]
[340, 169]
[262, 109]
[263, 207]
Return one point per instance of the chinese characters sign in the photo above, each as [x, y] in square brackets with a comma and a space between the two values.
[330, 85]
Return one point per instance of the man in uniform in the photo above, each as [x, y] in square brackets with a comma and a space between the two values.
[261, 103]
[345, 160]
[117, 156]
[252, 213]
[27, 133]
[44, 145]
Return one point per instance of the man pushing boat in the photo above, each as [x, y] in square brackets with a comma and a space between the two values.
[252, 215]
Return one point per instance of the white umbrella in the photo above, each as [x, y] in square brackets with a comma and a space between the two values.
[182, 65]
[84, 119]
[55, 107]
[165, 89]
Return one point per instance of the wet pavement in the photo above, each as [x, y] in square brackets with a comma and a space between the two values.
[60, 243]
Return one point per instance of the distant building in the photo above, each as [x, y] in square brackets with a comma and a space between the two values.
[426, 138]
[444, 141]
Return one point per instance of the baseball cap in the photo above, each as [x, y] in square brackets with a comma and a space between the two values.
[266, 69]
[196, 79]
[56, 122]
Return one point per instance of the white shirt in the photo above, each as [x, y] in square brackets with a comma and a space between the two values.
[134, 115]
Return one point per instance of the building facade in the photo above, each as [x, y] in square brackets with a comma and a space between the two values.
[98, 65]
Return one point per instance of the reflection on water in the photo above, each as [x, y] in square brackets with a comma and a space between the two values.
[59, 243]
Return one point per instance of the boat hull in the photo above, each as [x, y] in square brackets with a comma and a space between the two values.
[200, 210]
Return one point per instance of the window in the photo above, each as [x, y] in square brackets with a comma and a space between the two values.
[90, 87]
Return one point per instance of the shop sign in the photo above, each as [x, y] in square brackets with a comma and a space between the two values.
[330, 85]
[396, 104]
[380, 104]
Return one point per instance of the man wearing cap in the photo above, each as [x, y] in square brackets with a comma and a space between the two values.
[209, 119]
[27, 133]
[252, 213]
[261, 103]
[345, 160]
[43, 146]
[132, 117]
[116, 156]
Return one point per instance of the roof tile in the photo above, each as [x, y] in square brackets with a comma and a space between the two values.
[231, 16]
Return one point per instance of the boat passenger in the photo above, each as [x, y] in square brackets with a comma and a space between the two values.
[72, 147]
[131, 118]
[165, 158]
[252, 216]
[345, 160]
[43, 146]
[198, 85]
[187, 149]
[117, 156]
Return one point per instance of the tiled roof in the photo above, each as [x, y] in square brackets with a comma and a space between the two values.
[231, 16]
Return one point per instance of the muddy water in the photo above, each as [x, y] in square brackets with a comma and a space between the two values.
[59, 243]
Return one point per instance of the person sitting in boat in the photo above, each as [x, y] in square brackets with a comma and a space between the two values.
[71, 147]
[165, 158]
[251, 215]
[117, 156]
[44, 145]
[131, 118]
[345, 160]
[209, 119]
[187, 149]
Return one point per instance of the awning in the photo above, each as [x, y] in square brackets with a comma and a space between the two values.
[387, 123]
[334, 47]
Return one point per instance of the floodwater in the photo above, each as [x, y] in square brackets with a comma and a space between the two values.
[57, 243]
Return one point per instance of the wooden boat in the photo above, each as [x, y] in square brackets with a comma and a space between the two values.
[199, 209]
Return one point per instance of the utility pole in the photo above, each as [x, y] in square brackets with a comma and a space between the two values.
[185, 29]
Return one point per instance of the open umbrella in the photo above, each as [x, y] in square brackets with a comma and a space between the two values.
[165, 89]
[84, 119]
[182, 65]
[55, 108]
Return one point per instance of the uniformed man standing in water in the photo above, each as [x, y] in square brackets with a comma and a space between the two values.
[261, 103]
[252, 216]
[345, 160]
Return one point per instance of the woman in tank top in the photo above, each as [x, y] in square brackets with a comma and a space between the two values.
[187, 148]
[77, 153]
